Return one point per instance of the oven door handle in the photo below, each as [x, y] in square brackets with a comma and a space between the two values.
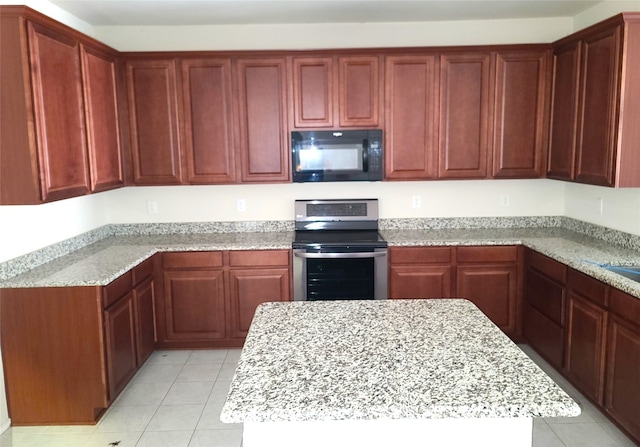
[367, 254]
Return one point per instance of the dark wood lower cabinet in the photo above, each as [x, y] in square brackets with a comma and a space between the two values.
[487, 276]
[209, 298]
[622, 391]
[144, 303]
[120, 340]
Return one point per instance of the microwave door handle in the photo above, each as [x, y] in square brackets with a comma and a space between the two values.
[365, 155]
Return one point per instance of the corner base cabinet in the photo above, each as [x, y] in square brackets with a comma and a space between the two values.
[69, 351]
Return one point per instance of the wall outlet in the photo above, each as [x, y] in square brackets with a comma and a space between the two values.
[152, 206]
[242, 205]
[416, 201]
[504, 200]
[600, 204]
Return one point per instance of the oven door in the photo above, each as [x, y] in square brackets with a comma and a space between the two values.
[353, 274]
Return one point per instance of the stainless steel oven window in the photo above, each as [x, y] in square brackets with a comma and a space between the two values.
[300, 272]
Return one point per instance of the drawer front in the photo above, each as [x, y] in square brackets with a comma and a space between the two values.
[487, 254]
[625, 305]
[116, 289]
[192, 259]
[550, 267]
[259, 258]
[419, 255]
[142, 271]
[546, 296]
[588, 287]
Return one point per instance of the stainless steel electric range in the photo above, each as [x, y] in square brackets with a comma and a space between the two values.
[338, 253]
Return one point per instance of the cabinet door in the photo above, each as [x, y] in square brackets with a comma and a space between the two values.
[564, 111]
[595, 162]
[209, 134]
[194, 305]
[250, 288]
[313, 92]
[120, 342]
[101, 109]
[153, 118]
[264, 140]
[59, 114]
[143, 300]
[465, 109]
[493, 288]
[622, 395]
[359, 91]
[584, 358]
[519, 120]
[410, 117]
[420, 281]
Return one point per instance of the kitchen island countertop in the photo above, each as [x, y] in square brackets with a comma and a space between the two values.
[395, 360]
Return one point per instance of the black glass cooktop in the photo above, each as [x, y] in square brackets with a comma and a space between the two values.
[337, 238]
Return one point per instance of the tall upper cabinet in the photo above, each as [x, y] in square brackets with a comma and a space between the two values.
[59, 135]
[594, 122]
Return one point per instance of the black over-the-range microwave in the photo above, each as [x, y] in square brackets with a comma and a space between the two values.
[337, 155]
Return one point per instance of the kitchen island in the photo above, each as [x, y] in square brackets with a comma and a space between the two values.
[378, 373]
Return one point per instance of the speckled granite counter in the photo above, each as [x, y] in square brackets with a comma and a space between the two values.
[102, 261]
[385, 360]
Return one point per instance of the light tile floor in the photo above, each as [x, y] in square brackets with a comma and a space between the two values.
[176, 397]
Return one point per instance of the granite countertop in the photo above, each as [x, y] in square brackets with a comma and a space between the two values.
[99, 263]
[396, 359]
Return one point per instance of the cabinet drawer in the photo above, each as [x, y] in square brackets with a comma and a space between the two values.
[625, 305]
[487, 254]
[548, 266]
[420, 255]
[192, 259]
[588, 287]
[116, 289]
[142, 271]
[253, 258]
[546, 296]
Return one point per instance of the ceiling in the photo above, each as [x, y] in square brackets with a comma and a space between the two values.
[229, 12]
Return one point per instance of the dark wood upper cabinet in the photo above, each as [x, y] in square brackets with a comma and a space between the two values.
[101, 111]
[594, 106]
[154, 121]
[209, 131]
[313, 86]
[336, 91]
[262, 107]
[519, 119]
[465, 114]
[410, 119]
[564, 112]
[359, 88]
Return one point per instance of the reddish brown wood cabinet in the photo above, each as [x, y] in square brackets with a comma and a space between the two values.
[487, 276]
[520, 111]
[152, 96]
[101, 112]
[544, 306]
[209, 298]
[262, 105]
[336, 91]
[68, 351]
[585, 333]
[464, 115]
[57, 89]
[420, 272]
[622, 393]
[411, 117]
[593, 130]
[209, 137]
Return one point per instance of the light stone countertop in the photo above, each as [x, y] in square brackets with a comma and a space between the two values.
[395, 359]
[101, 262]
